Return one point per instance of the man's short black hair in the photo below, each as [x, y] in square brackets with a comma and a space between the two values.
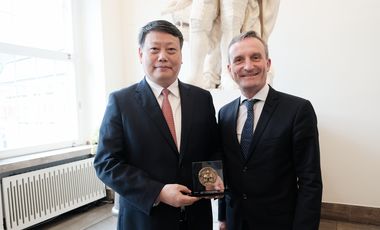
[161, 26]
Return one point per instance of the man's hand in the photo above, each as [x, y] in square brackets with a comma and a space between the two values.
[217, 186]
[176, 195]
[222, 225]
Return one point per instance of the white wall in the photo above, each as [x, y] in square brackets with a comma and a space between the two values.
[326, 51]
[329, 52]
[89, 58]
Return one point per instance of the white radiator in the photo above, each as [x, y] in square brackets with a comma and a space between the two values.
[36, 196]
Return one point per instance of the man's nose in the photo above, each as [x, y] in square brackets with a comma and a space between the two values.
[248, 65]
[162, 56]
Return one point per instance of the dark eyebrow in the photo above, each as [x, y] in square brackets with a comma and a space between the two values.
[256, 54]
[236, 57]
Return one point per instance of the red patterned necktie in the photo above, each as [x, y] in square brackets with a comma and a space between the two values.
[168, 113]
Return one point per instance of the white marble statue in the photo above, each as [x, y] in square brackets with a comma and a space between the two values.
[209, 26]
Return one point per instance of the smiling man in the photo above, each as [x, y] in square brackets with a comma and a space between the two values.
[151, 133]
[270, 148]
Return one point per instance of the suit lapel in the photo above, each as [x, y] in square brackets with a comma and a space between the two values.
[270, 105]
[148, 101]
[231, 118]
[187, 108]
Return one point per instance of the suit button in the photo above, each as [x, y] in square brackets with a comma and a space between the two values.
[245, 169]
[245, 196]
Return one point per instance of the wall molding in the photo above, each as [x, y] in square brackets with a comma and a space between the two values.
[351, 213]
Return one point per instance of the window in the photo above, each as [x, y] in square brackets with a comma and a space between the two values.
[38, 109]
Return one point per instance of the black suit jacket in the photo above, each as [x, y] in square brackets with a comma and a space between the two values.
[137, 155]
[279, 186]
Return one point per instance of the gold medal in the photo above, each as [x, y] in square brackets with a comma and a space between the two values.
[207, 176]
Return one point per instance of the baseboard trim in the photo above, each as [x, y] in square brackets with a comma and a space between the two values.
[351, 213]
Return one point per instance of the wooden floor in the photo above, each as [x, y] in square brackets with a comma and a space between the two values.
[99, 217]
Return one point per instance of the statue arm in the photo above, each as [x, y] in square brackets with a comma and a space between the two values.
[176, 5]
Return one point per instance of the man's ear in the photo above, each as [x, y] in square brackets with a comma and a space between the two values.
[229, 68]
[269, 63]
[140, 54]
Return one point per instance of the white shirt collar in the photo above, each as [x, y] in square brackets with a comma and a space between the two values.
[261, 95]
[157, 89]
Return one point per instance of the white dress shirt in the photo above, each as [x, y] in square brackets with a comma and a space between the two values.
[175, 103]
[257, 109]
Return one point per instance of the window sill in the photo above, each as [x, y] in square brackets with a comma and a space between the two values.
[41, 160]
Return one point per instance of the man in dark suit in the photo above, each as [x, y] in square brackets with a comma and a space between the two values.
[145, 154]
[271, 159]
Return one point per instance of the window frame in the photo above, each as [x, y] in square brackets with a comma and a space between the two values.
[34, 52]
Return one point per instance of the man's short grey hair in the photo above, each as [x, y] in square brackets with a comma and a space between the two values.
[248, 34]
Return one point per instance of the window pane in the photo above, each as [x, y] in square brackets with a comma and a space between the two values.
[37, 82]
[38, 105]
[41, 24]
[37, 102]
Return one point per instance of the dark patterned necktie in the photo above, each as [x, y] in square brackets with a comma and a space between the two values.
[247, 132]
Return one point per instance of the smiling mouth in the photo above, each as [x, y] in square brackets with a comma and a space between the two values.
[251, 74]
[163, 67]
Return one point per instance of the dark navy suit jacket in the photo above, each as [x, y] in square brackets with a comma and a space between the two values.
[279, 187]
[137, 156]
